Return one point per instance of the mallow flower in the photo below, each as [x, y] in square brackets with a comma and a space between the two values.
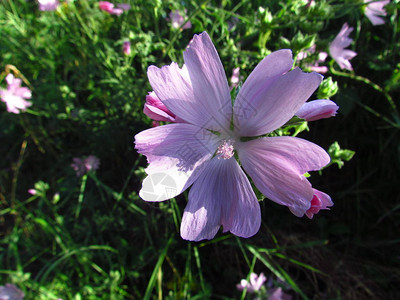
[48, 5]
[85, 165]
[15, 95]
[10, 292]
[111, 9]
[254, 284]
[337, 48]
[218, 143]
[178, 19]
[315, 65]
[374, 10]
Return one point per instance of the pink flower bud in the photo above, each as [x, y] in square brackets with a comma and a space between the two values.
[317, 109]
[156, 110]
[319, 201]
[126, 48]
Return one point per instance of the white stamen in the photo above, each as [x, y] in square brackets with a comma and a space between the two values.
[225, 150]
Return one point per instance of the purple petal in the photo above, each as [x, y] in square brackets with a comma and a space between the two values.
[177, 153]
[259, 81]
[269, 104]
[375, 9]
[277, 165]
[221, 196]
[174, 88]
[209, 81]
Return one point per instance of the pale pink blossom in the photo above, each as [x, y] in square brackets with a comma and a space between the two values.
[254, 284]
[178, 19]
[15, 94]
[374, 11]
[315, 65]
[319, 201]
[337, 48]
[111, 9]
[126, 48]
[32, 191]
[47, 5]
[11, 292]
[91, 163]
[317, 109]
[201, 151]
[235, 77]
[84, 165]
[156, 110]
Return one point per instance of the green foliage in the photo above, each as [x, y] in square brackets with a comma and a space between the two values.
[92, 237]
[338, 156]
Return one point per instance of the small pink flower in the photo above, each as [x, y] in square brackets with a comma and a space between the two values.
[337, 51]
[109, 7]
[177, 20]
[91, 163]
[11, 292]
[83, 166]
[126, 48]
[79, 166]
[235, 77]
[319, 201]
[374, 10]
[15, 94]
[255, 284]
[317, 109]
[106, 6]
[47, 5]
[314, 66]
[32, 192]
[156, 110]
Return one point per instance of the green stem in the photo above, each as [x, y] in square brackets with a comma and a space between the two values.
[366, 81]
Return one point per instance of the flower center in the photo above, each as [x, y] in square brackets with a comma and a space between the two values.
[225, 150]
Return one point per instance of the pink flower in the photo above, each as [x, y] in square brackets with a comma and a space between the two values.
[126, 48]
[337, 51]
[10, 292]
[255, 284]
[83, 166]
[314, 66]
[48, 4]
[15, 94]
[202, 151]
[319, 201]
[156, 110]
[91, 163]
[317, 109]
[375, 9]
[235, 77]
[177, 20]
[32, 191]
[109, 7]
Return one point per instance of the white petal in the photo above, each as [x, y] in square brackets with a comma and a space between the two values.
[177, 153]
